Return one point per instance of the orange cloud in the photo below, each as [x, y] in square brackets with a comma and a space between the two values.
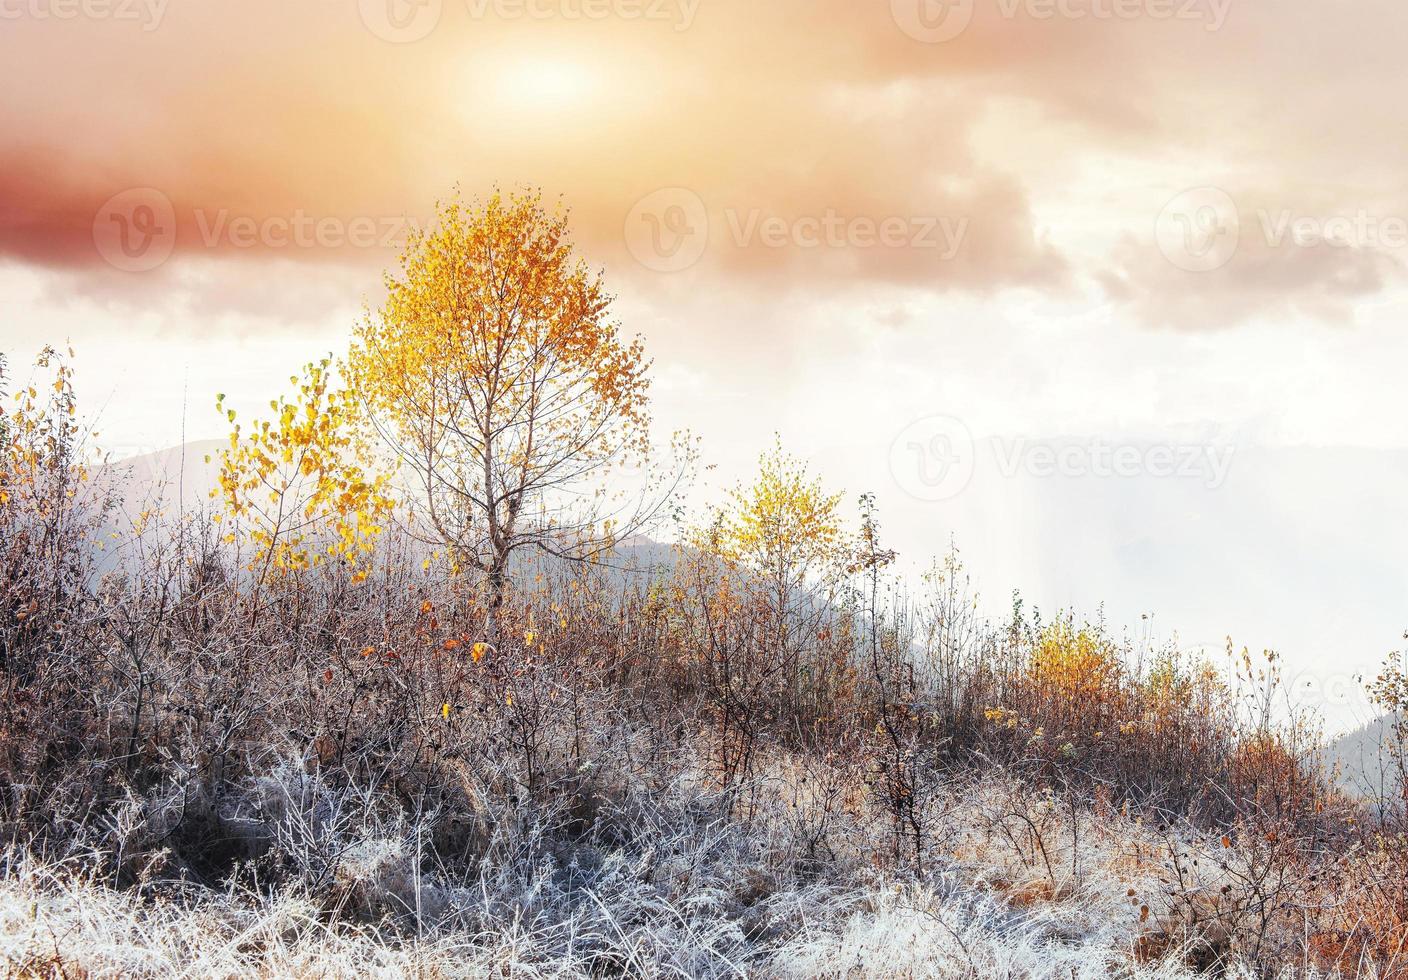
[830, 145]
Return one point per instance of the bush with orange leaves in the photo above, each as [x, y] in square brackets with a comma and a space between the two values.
[1074, 679]
[1159, 728]
[51, 512]
[1365, 918]
[1370, 921]
[755, 611]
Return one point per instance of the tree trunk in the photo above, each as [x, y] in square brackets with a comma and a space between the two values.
[498, 586]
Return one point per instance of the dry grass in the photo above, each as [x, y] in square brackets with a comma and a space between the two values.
[696, 904]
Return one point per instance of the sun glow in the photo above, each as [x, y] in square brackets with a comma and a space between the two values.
[543, 86]
[550, 83]
[551, 92]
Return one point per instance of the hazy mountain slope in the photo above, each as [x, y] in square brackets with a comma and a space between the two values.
[162, 485]
[1364, 759]
[171, 478]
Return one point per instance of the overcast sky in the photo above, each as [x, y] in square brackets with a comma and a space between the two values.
[1109, 292]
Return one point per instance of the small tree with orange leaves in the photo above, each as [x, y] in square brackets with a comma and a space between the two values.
[757, 585]
[497, 376]
[295, 483]
[784, 531]
[51, 509]
[4, 424]
[1390, 693]
[43, 460]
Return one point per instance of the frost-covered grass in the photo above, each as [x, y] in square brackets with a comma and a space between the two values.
[681, 892]
[53, 923]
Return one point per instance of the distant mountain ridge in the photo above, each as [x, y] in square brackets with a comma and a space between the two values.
[176, 475]
[1363, 761]
[178, 480]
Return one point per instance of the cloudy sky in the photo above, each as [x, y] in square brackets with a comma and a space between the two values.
[1108, 292]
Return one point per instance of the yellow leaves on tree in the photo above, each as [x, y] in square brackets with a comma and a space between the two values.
[783, 526]
[294, 484]
[4, 438]
[42, 464]
[503, 385]
[779, 543]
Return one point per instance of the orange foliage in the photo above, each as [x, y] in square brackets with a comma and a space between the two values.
[294, 483]
[495, 371]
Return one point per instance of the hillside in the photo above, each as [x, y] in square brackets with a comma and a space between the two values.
[1364, 760]
[723, 774]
